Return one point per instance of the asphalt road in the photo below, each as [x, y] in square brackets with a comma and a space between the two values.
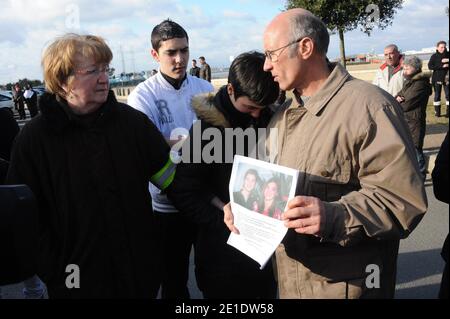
[419, 263]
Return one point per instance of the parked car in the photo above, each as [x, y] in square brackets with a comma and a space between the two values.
[39, 90]
[6, 100]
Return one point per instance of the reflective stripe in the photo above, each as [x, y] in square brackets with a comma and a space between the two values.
[165, 176]
[169, 180]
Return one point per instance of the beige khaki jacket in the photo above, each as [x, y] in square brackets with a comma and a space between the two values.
[354, 152]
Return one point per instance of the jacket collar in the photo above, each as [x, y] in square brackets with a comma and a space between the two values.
[58, 116]
[334, 83]
[397, 68]
[204, 108]
[219, 111]
[167, 85]
[176, 84]
[422, 76]
[443, 53]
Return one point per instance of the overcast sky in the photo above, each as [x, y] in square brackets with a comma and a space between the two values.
[217, 29]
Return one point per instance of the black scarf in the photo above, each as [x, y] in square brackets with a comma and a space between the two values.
[174, 82]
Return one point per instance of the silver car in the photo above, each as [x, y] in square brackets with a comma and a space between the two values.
[6, 100]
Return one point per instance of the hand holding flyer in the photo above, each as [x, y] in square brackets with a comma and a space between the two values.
[259, 193]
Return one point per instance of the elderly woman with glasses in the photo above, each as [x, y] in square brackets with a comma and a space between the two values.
[88, 160]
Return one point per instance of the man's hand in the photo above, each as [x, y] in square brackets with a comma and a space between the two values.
[179, 138]
[228, 218]
[306, 215]
[400, 99]
[216, 202]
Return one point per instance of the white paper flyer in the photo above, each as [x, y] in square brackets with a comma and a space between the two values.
[259, 193]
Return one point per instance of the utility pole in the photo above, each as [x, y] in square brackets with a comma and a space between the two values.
[123, 60]
[133, 61]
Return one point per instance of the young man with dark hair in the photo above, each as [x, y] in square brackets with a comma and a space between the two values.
[195, 70]
[221, 270]
[165, 98]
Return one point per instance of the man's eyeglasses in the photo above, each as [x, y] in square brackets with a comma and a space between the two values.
[273, 57]
[94, 70]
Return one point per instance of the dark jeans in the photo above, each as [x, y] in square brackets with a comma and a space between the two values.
[176, 235]
[438, 90]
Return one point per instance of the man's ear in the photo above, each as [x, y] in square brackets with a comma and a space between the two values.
[155, 55]
[306, 48]
[230, 89]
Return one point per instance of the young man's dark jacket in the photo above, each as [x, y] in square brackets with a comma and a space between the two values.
[437, 66]
[416, 92]
[90, 176]
[196, 184]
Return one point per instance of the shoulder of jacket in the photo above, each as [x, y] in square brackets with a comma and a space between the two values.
[128, 113]
[422, 76]
[382, 67]
[32, 131]
[204, 108]
[149, 85]
[367, 96]
[204, 85]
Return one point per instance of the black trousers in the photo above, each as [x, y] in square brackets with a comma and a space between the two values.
[32, 107]
[176, 235]
[20, 106]
[437, 97]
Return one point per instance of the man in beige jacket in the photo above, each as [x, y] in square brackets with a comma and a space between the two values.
[360, 189]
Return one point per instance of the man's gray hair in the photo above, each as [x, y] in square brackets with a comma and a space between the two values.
[414, 62]
[393, 46]
[308, 25]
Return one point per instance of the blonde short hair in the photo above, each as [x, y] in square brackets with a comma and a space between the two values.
[59, 58]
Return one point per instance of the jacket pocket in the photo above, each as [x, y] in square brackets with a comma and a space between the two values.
[328, 179]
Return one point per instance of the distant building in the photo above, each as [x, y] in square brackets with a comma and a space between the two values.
[424, 54]
[355, 59]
